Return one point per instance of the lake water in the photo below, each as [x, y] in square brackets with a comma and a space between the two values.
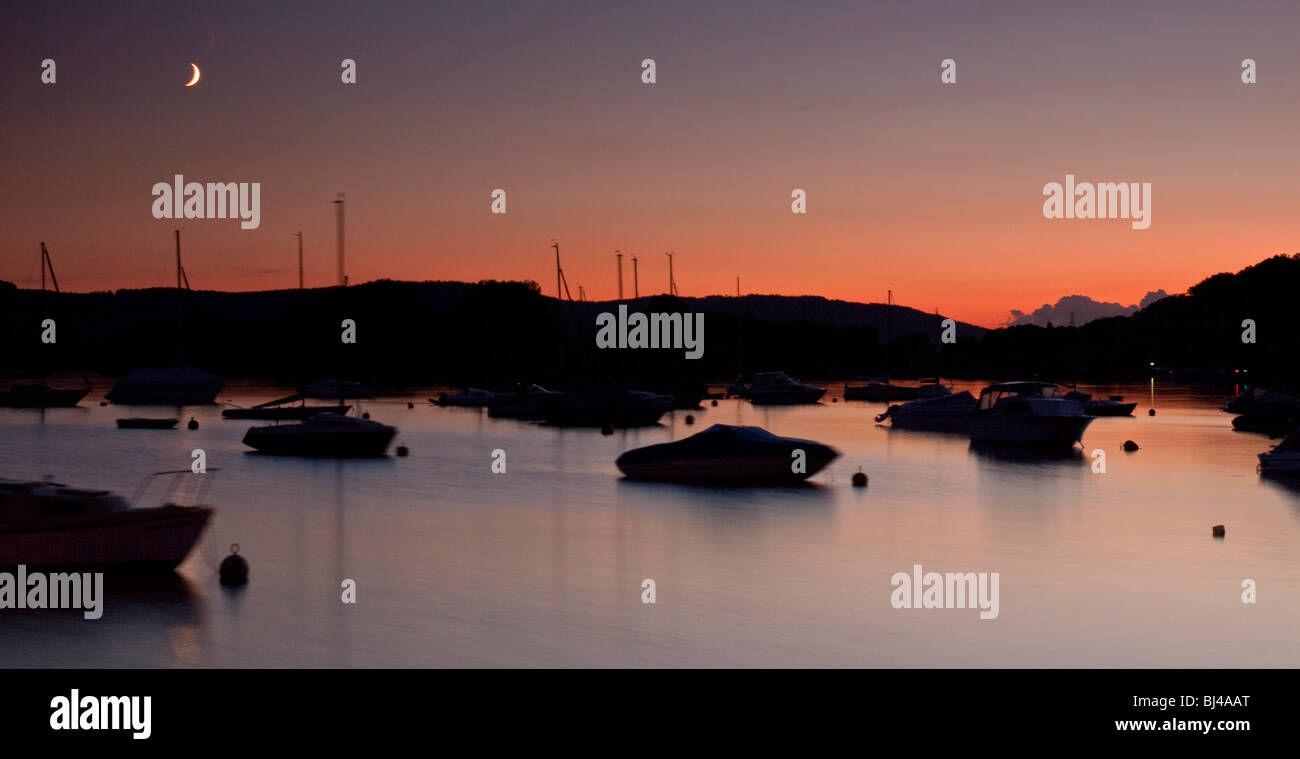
[543, 566]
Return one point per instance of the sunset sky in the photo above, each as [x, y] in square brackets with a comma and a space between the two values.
[931, 190]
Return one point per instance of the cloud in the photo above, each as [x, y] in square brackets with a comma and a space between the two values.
[1079, 310]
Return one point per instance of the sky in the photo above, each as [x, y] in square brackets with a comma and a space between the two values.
[931, 190]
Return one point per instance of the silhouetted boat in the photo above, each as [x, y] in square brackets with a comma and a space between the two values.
[1027, 413]
[178, 385]
[1112, 406]
[323, 435]
[618, 408]
[470, 396]
[280, 413]
[530, 403]
[779, 388]
[47, 524]
[1257, 400]
[945, 413]
[1283, 457]
[40, 395]
[146, 423]
[726, 454]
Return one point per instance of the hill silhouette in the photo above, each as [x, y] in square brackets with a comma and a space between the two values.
[489, 333]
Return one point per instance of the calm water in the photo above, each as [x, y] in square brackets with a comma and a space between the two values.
[543, 565]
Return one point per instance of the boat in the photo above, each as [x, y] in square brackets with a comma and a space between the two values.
[337, 388]
[470, 397]
[1112, 406]
[1027, 413]
[40, 395]
[617, 408]
[49, 524]
[279, 409]
[771, 388]
[177, 385]
[146, 423]
[945, 413]
[881, 389]
[727, 454]
[530, 402]
[1271, 424]
[323, 435]
[281, 413]
[1283, 457]
[1257, 400]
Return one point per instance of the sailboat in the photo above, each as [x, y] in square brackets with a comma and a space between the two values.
[41, 394]
[176, 385]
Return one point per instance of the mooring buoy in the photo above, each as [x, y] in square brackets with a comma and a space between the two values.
[1219, 531]
[1130, 446]
[193, 424]
[402, 450]
[859, 478]
[234, 568]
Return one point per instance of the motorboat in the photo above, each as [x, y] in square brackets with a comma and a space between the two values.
[470, 396]
[177, 385]
[945, 413]
[769, 388]
[530, 402]
[49, 524]
[881, 389]
[323, 435]
[1027, 413]
[40, 395]
[617, 408]
[1112, 406]
[727, 454]
[1283, 458]
[146, 423]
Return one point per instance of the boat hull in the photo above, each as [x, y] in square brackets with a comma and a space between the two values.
[1032, 430]
[763, 470]
[146, 424]
[137, 539]
[1109, 409]
[341, 445]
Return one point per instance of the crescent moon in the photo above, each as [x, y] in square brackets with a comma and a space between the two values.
[195, 80]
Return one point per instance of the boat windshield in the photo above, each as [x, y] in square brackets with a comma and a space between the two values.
[994, 393]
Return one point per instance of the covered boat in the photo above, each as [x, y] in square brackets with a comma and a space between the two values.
[618, 408]
[728, 454]
[323, 435]
[177, 385]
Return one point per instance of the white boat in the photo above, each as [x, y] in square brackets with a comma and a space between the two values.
[1027, 413]
[48, 524]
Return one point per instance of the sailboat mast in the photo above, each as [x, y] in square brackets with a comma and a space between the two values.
[338, 207]
[300, 259]
[178, 259]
